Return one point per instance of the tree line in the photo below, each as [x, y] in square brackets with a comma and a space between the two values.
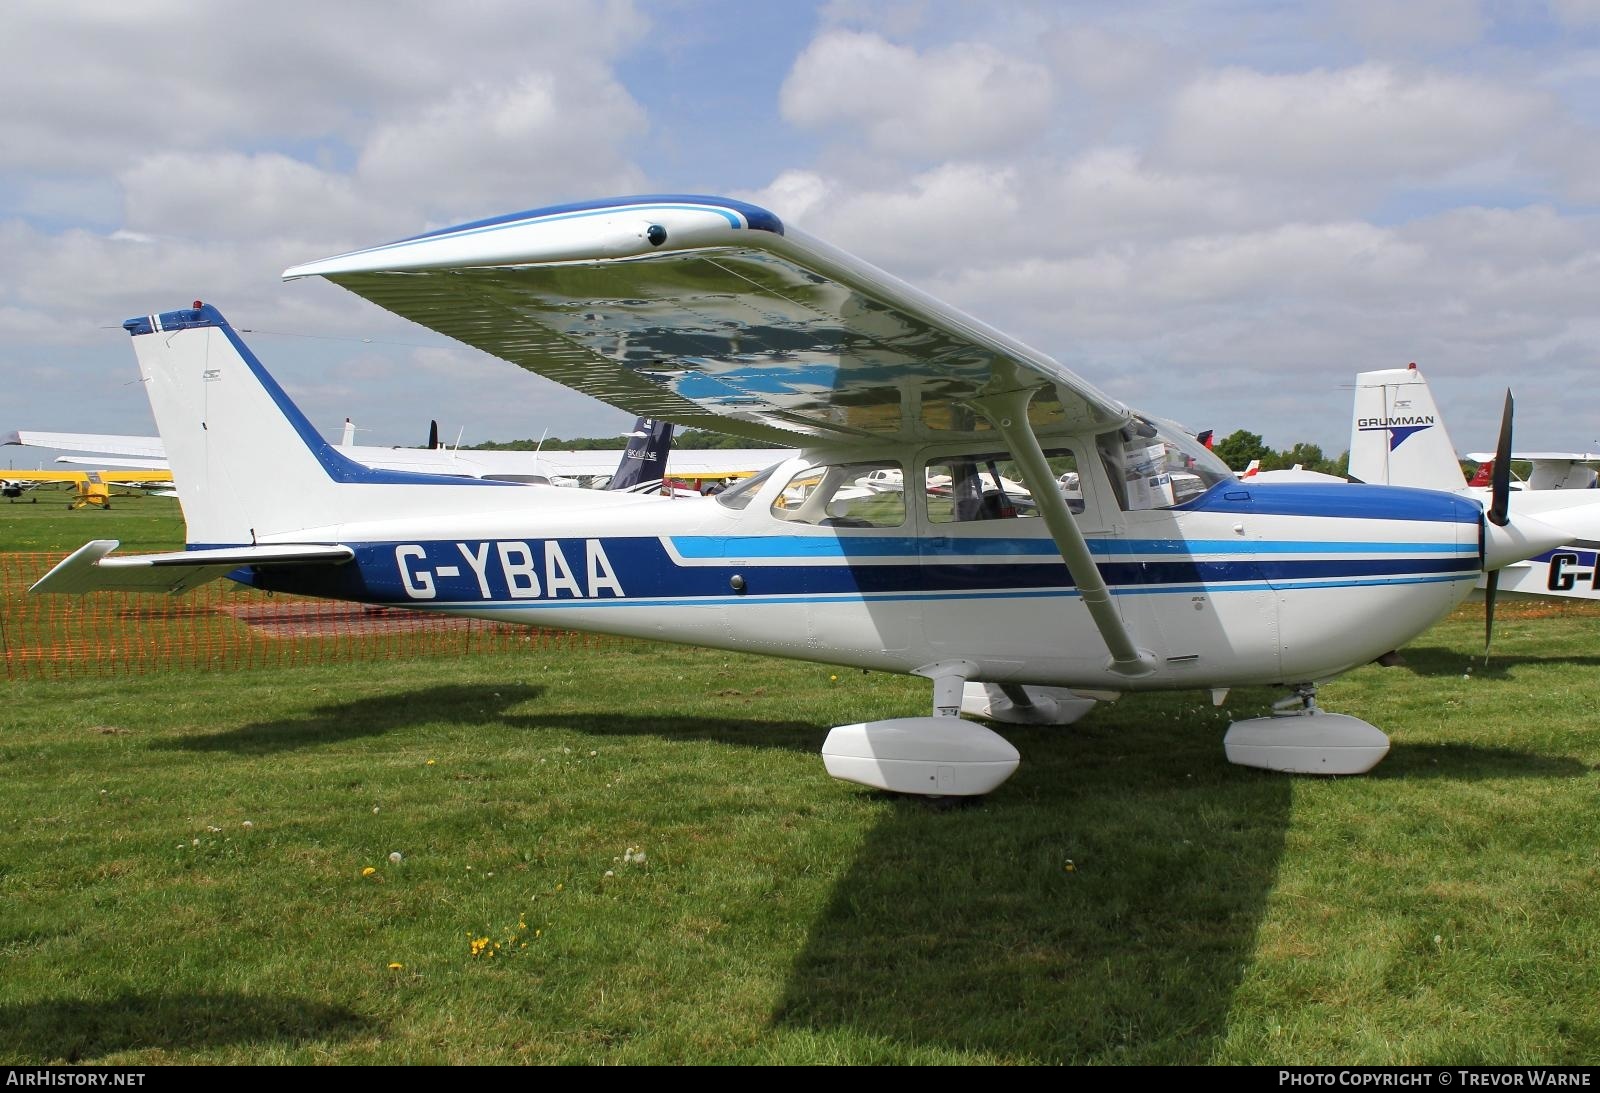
[1238, 448]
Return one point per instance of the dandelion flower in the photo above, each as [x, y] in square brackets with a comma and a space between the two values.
[195, 842]
[609, 873]
[368, 871]
[592, 754]
[395, 857]
[395, 965]
[429, 763]
[247, 825]
[559, 887]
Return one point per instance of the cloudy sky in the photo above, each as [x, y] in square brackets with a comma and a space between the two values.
[1218, 212]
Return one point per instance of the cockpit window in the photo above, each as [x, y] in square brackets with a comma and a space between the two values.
[1154, 464]
[850, 495]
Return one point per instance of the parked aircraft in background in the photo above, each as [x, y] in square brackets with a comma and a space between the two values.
[1170, 575]
[1398, 438]
[91, 488]
[1549, 471]
[534, 468]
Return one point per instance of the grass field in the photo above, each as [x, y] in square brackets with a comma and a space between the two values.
[40, 520]
[184, 870]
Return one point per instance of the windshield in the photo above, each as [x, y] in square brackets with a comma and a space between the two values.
[738, 495]
[1155, 464]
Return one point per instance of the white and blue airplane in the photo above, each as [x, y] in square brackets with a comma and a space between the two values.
[1161, 571]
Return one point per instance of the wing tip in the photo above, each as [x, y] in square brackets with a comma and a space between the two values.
[423, 250]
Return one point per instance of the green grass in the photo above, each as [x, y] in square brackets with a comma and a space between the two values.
[1442, 909]
[40, 520]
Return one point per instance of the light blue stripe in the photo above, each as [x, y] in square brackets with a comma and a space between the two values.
[698, 547]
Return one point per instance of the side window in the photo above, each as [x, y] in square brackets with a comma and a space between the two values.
[987, 486]
[847, 495]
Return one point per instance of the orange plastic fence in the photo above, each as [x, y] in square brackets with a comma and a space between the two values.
[224, 625]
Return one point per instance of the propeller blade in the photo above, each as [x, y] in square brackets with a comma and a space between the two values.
[1491, 587]
[1500, 481]
[433, 435]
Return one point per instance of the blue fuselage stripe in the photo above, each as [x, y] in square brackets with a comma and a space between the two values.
[641, 569]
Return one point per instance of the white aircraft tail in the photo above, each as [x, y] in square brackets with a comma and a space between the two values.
[1397, 437]
[248, 465]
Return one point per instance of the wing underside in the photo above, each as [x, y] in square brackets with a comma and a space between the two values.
[749, 330]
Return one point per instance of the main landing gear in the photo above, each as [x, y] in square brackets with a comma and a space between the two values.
[1301, 738]
[937, 756]
[945, 755]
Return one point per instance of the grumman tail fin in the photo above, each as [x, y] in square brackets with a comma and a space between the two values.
[248, 464]
[1397, 437]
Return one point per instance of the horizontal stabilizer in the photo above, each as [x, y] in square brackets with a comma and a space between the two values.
[89, 569]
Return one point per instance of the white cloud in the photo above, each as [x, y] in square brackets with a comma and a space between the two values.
[235, 195]
[90, 84]
[491, 148]
[957, 209]
[1576, 12]
[1343, 123]
[959, 100]
[1383, 24]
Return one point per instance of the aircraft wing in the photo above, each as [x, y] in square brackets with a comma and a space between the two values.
[141, 447]
[1592, 458]
[709, 312]
[103, 462]
[88, 569]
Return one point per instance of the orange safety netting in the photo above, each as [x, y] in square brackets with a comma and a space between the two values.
[225, 625]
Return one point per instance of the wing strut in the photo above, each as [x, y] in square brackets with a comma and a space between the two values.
[1005, 404]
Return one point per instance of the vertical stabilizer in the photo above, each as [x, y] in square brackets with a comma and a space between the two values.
[1397, 437]
[247, 463]
[646, 457]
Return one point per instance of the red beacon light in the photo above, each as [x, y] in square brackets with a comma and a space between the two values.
[198, 305]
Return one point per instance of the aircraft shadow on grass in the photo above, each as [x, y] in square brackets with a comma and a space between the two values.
[372, 715]
[981, 938]
[377, 714]
[1434, 660]
[1469, 762]
[74, 1029]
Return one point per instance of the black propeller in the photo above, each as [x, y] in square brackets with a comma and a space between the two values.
[1499, 514]
[433, 435]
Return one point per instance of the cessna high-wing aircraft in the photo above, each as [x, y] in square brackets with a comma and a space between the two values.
[1165, 573]
[1398, 438]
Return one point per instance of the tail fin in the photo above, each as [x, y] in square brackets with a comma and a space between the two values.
[1397, 437]
[646, 457]
[248, 464]
[1484, 478]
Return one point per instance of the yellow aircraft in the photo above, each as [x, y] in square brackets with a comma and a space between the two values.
[92, 488]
